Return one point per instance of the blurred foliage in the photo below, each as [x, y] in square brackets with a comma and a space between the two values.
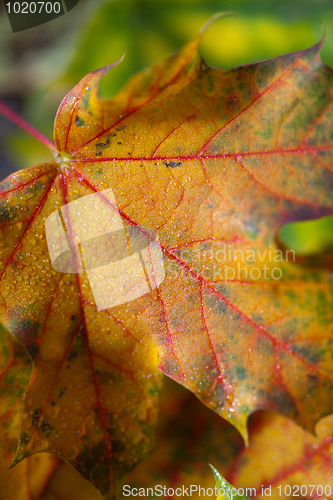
[150, 29]
[309, 237]
[43, 63]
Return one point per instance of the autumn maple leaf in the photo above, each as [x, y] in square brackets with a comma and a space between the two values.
[214, 161]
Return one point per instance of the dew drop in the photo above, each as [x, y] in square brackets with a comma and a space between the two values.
[230, 397]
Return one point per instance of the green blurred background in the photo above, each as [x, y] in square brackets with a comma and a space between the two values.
[40, 65]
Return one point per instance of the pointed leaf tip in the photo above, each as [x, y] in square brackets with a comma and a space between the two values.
[84, 103]
[225, 491]
[105, 69]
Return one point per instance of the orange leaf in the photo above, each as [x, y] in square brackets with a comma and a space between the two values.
[213, 162]
[23, 482]
[286, 459]
[41, 476]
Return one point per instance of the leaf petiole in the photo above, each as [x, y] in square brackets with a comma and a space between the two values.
[24, 125]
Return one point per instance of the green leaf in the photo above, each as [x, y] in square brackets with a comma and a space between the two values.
[225, 490]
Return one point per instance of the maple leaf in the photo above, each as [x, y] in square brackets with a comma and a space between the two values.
[214, 161]
[41, 476]
[292, 459]
[189, 437]
[15, 372]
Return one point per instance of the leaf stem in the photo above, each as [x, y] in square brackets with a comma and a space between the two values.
[23, 124]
